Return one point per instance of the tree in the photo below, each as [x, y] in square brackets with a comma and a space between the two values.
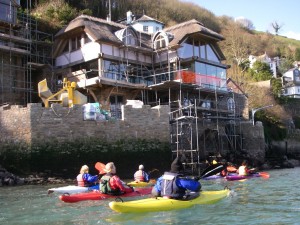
[260, 71]
[276, 27]
[246, 23]
[285, 65]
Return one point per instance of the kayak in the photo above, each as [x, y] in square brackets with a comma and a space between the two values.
[242, 177]
[213, 177]
[96, 195]
[142, 183]
[165, 204]
[72, 189]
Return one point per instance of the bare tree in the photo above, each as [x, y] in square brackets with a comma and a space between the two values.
[276, 27]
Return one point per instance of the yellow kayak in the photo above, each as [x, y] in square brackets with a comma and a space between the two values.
[164, 204]
[141, 183]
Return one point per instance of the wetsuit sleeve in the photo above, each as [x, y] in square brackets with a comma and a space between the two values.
[157, 186]
[89, 178]
[188, 184]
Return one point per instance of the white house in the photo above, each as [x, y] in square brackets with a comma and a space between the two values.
[291, 83]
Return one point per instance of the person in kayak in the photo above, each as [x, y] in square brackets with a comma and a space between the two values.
[84, 179]
[111, 184]
[243, 169]
[141, 175]
[173, 184]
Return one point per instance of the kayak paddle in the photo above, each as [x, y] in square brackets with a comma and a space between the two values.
[100, 167]
[264, 174]
[213, 171]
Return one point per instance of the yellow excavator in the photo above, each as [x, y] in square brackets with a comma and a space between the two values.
[67, 96]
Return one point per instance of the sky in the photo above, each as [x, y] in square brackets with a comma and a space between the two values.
[262, 13]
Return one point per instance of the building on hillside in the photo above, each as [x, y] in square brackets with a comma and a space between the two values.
[272, 62]
[291, 83]
[25, 52]
[180, 66]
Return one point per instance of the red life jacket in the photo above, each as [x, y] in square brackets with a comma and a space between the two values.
[80, 181]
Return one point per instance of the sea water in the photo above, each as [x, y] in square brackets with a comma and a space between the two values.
[254, 201]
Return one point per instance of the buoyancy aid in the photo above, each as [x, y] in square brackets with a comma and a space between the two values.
[105, 187]
[139, 175]
[169, 187]
[80, 181]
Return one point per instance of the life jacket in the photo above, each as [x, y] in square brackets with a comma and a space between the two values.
[80, 181]
[169, 187]
[105, 187]
[139, 175]
[242, 171]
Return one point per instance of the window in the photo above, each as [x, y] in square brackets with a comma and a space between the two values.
[211, 54]
[186, 51]
[157, 28]
[129, 37]
[66, 48]
[145, 28]
[160, 42]
[75, 43]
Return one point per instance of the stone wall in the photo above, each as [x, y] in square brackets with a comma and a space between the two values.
[35, 124]
[254, 141]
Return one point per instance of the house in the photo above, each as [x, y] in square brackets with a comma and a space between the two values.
[128, 63]
[272, 62]
[291, 83]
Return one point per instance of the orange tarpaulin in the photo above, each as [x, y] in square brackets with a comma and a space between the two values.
[189, 77]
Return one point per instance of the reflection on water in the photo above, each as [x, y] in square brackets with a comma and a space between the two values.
[255, 201]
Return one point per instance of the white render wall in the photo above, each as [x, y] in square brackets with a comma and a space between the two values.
[92, 50]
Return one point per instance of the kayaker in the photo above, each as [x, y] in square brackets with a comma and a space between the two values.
[243, 169]
[84, 179]
[111, 184]
[141, 175]
[173, 184]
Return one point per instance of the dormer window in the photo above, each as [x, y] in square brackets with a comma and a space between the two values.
[161, 41]
[127, 36]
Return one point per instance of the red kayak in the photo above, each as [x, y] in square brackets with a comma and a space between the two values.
[96, 195]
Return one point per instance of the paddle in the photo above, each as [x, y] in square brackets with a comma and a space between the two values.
[211, 168]
[100, 167]
[211, 172]
[264, 174]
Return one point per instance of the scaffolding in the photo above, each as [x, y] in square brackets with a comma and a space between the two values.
[24, 53]
[204, 122]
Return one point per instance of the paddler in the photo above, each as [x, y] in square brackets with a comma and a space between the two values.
[173, 184]
[141, 175]
[84, 179]
[111, 184]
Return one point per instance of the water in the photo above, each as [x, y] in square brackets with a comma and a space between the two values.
[255, 201]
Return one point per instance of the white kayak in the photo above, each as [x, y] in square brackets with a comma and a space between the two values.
[71, 189]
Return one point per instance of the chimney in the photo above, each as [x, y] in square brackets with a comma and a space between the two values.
[129, 17]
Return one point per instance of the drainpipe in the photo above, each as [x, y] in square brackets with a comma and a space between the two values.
[253, 111]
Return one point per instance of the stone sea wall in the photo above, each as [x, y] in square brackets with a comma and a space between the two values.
[59, 140]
